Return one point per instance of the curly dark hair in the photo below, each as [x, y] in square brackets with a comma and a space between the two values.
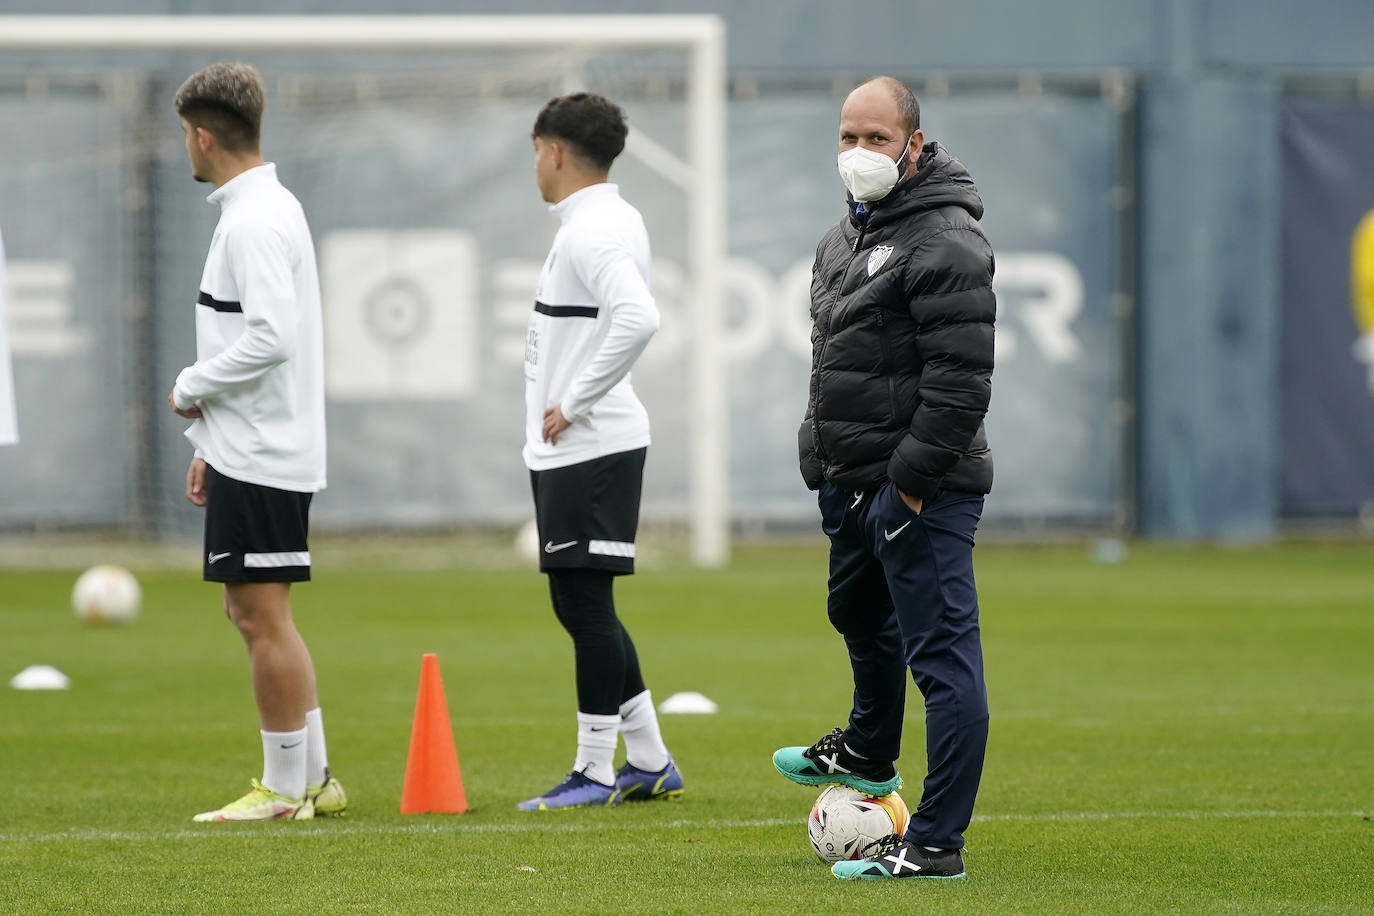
[593, 126]
[227, 100]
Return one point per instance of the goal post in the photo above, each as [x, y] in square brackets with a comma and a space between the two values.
[701, 37]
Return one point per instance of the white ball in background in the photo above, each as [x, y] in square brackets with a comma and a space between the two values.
[106, 594]
[527, 542]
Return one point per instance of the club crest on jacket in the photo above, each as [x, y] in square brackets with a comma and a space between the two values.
[878, 257]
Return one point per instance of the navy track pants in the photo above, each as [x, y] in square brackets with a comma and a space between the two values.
[903, 596]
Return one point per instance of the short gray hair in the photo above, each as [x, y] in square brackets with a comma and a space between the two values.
[226, 99]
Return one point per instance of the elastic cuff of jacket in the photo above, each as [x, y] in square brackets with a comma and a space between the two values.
[182, 402]
[909, 483]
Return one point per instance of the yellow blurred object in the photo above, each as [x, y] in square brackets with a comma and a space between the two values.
[1362, 273]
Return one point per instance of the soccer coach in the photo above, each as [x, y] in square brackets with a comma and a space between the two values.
[901, 375]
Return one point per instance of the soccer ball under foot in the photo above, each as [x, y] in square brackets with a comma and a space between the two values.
[845, 824]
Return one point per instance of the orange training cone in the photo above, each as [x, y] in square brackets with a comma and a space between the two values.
[433, 784]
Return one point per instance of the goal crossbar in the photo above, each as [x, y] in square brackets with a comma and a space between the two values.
[329, 32]
[702, 36]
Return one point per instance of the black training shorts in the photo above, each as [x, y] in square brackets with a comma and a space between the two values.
[255, 533]
[588, 513]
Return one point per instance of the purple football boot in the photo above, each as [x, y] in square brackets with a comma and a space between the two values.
[634, 784]
[575, 791]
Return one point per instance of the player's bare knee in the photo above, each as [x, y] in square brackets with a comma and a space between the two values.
[241, 617]
[252, 616]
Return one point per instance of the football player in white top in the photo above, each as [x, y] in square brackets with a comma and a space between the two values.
[586, 436]
[256, 398]
[9, 423]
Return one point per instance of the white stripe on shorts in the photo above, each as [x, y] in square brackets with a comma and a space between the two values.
[276, 560]
[612, 548]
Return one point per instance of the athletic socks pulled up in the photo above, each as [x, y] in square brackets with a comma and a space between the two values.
[596, 739]
[283, 762]
[316, 758]
[644, 745]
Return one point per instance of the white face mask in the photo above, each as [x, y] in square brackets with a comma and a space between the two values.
[869, 175]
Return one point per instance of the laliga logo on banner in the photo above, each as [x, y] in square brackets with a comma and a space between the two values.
[1362, 291]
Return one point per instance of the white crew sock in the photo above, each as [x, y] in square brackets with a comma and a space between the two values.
[316, 758]
[644, 747]
[596, 737]
[283, 762]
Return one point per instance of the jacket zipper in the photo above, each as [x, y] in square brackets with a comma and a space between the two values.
[886, 350]
[825, 339]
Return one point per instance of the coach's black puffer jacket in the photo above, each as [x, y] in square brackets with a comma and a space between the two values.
[901, 340]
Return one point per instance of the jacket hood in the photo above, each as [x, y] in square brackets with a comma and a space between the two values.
[940, 181]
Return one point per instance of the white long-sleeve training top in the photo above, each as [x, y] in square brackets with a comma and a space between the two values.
[9, 422]
[593, 315]
[259, 371]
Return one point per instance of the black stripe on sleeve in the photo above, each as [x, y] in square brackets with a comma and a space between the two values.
[566, 311]
[218, 305]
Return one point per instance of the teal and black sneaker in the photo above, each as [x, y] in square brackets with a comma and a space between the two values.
[894, 857]
[829, 762]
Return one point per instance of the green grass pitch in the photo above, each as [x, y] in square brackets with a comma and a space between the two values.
[1186, 731]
